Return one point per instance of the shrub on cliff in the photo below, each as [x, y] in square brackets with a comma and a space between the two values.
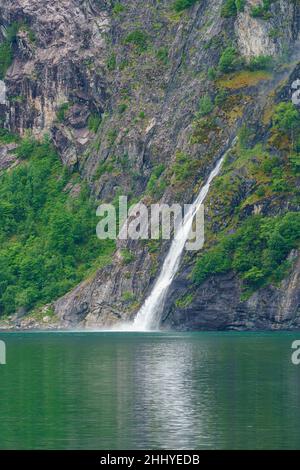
[229, 60]
[180, 5]
[137, 38]
[261, 62]
[205, 106]
[286, 118]
[155, 185]
[231, 7]
[257, 252]
[262, 11]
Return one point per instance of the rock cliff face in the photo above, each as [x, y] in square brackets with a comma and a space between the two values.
[257, 37]
[219, 306]
[51, 68]
[117, 86]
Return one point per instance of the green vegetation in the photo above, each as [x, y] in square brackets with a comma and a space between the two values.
[243, 79]
[202, 128]
[181, 5]
[7, 46]
[231, 7]
[262, 11]
[294, 160]
[184, 301]
[262, 62]
[229, 60]
[183, 167]
[286, 118]
[118, 8]
[257, 252]
[30, 33]
[111, 136]
[17, 99]
[106, 167]
[128, 297]
[256, 248]
[6, 49]
[240, 5]
[216, 42]
[211, 74]
[205, 106]
[7, 137]
[274, 33]
[48, 240]
[139, 39]
[94, 122]
[157, 185]
[112, 62]
[267, 173]
[163, 55]
[244, 136]
[127, 256]
[221, 97]
[122, 108]
[62, 111]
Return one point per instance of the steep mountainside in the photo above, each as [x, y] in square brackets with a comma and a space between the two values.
[141, 99]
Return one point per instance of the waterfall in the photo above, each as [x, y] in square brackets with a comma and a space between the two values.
[148, 317]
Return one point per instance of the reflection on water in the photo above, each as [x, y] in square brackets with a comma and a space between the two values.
[169, 399]
[149, 391]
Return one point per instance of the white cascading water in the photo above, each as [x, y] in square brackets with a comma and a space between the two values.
[148, 317]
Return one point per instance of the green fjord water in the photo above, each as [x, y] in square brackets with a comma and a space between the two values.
[149, 391]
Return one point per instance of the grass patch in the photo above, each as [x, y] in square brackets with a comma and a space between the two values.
[139, 39]
[184, 301]
[243, 79]
[118, 8]
[94, 122]
[7, 137]
[128, 297]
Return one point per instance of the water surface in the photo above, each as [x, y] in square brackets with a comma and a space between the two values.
[149, 391]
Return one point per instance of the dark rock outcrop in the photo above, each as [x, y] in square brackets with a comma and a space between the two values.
[217, 305]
